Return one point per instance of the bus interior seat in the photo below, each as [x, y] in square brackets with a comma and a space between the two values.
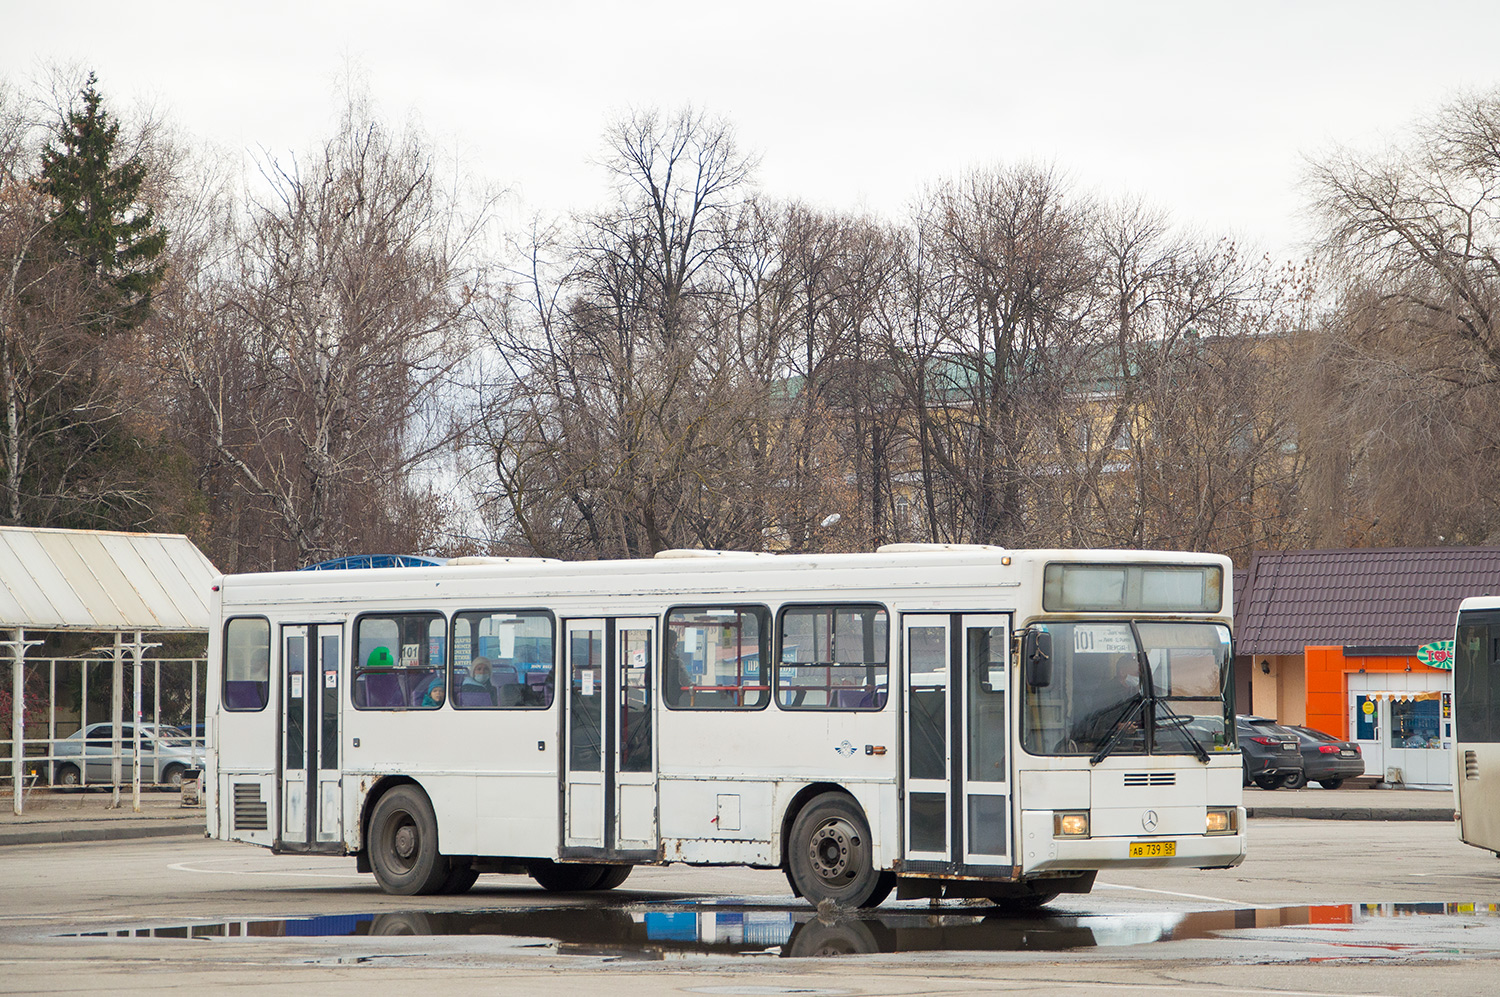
[244, 695]
[378, 689]
[853, 699]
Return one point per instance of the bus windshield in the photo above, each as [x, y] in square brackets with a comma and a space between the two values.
[1148, 687]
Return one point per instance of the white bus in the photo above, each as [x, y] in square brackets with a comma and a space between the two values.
[947, 721]
[1476, 722]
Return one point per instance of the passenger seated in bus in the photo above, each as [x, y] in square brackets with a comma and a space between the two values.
[477, 689]
[435, 692]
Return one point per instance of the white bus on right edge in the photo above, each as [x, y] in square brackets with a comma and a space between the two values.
[1476, 722]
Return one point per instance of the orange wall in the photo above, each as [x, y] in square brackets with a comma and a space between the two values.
[1327, 691]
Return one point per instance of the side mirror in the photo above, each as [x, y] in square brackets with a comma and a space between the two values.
[1036, 656]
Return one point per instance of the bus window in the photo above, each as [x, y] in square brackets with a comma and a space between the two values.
[503, 660]
[833, 658]
[712, 658]
[1477, 691]
[247, 664]
[399, 662]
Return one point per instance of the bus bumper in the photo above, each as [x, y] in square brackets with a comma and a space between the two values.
[1042, 851]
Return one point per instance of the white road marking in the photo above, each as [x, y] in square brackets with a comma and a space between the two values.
[191, 867]
[1170, 893]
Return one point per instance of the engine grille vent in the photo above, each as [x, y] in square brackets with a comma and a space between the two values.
[1150, 778]
[249, 808]
[1471, 766]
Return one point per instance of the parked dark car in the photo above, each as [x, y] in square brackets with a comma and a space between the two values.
[1326, 760]
[1272, 753]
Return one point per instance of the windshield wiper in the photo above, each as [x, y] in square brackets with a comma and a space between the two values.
[1180, 726]
[1117, 730]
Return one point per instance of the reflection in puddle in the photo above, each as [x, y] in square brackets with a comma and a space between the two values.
[665, 931]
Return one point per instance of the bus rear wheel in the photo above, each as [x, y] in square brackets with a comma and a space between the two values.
[461, 876]
[830, 855]
[572, 877]
[404, 844]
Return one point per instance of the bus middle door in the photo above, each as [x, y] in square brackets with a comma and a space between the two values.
[957, 813]
[311, 796]
[609, 770]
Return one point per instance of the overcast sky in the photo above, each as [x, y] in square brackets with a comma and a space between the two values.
[1205, 109]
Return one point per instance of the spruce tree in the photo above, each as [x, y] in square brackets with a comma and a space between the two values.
[97, 217]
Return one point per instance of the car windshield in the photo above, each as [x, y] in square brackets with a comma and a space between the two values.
[1143, 688]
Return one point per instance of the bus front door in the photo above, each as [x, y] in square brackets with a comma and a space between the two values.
[957, 814]
[311, 798]
[609, 770]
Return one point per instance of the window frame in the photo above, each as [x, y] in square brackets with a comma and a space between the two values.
[224, 667]
[766, 641]
[356, 670]
[535, 611]
[780, 644]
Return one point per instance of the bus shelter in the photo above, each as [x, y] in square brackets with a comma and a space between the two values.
[132, 589]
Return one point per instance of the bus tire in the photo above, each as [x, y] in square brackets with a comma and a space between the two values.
[568, 877]
[461, 876]
[1023, 903]
[614, 875]
[830, 855]
[404, 844]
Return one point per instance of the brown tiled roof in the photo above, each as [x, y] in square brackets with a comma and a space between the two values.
[1392, 597]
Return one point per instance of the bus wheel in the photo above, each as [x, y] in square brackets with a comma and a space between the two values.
[614, 876]
[568, 877]
[404, 844]
[1023, 903]
[461, 876]
[829, 855]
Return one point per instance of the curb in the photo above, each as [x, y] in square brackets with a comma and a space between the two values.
[1353, 813]
[66, 835]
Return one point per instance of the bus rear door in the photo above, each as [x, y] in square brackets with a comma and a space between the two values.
[311, 800]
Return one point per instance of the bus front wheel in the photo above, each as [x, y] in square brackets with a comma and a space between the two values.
[830, 855]
[404, 844]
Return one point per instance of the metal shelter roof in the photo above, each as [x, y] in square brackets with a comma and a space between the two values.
[1376, 597]
[93, 580]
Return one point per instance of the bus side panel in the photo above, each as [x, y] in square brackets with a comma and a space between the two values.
[415, 744]
[245, 802]
[518, 758]
[706, 761]
[1479, 798]
[706, 821]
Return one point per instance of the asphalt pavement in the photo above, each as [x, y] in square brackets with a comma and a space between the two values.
[51, 816]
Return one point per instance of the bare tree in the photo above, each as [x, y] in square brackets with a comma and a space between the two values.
[1409, 356]
[627, 419]
[1010, 276]
[317, 356]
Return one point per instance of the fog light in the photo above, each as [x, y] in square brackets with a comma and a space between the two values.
[1222, 821]
[1070, 825]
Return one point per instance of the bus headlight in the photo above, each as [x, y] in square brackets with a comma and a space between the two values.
[1070, 825]
[1222, 821]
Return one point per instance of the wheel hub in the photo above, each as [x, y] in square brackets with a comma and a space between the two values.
[832, 850]
[406, 841]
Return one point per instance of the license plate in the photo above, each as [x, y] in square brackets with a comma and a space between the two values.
[1153, 849]
[1346, 754]
[1288, 747]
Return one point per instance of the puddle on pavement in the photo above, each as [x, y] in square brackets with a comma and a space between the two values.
[726, 929]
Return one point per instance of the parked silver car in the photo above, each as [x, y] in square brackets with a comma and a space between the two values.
[86, 756]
